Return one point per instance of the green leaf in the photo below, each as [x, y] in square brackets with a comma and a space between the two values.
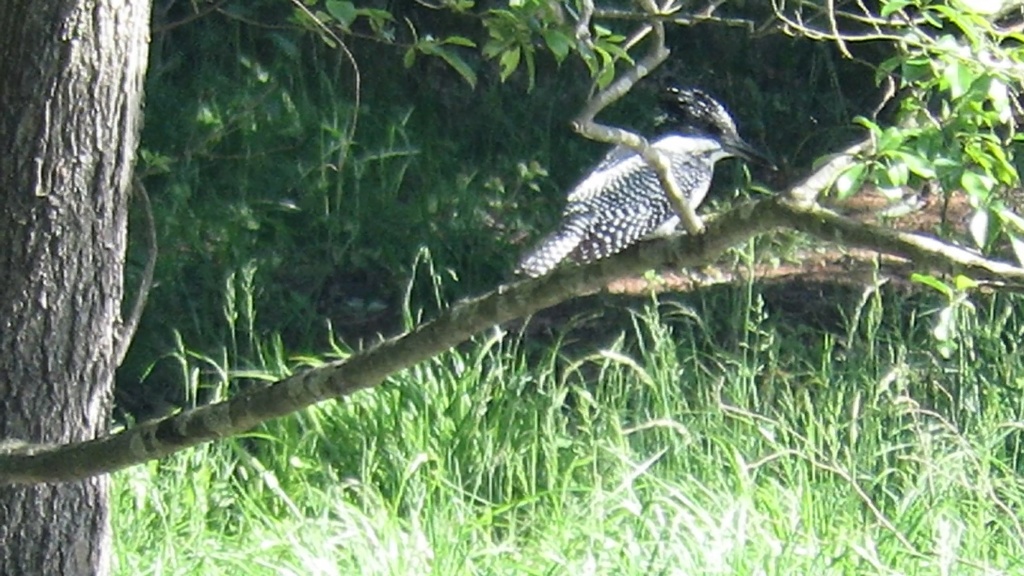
[606, 73]
[890, 139]
[887, 67]
[457, 63]
[964, 283]
[932, 282]
[509, 61]
[558, 42]
[344, 12]
[968, 21]
[850, 180]
[459, 41]
[409, 58]
[916, 70]
[1018, 247]
[892, 6]
[494, 47]
[1000, 98]
[897, 172]
[977, 185]
[605, 76]
[874, 128]
[615, 51]
[379, 21]
[1004, 168]
[1008, 216]
[917, 164]
[376, 14]
[959, 77]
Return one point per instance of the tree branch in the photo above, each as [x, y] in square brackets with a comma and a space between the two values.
[128, 328]
[24, 463]
[583, 35]
[705, 16]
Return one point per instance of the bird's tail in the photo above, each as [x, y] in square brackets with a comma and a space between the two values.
[551, 251]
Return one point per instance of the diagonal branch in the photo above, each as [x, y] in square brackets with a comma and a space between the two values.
[20, 463]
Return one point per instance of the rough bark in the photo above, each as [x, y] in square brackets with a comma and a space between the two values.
[70, 105]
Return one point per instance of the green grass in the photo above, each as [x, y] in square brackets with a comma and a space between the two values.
[784, 451]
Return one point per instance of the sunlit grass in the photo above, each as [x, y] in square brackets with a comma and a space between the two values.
[786, 451]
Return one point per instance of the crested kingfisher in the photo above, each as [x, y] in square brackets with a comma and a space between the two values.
[621, 201]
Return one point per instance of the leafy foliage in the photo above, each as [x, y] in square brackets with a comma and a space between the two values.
[956, 120]
[955, 73]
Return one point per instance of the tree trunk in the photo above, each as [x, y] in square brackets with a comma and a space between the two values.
[71, 76]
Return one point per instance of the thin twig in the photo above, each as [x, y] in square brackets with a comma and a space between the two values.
[126, 333]
[583, 35]
[357, 84]
[831, 11]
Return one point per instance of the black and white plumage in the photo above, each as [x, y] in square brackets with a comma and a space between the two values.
[621, 201]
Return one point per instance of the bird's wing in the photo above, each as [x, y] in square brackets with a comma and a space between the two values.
[618, 228]
[628, 203]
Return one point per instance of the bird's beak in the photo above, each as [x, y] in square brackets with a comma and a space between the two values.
[743, 150]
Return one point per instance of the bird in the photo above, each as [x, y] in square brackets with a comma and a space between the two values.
[621, 201]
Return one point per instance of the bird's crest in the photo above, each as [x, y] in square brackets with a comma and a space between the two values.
[689, 108]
